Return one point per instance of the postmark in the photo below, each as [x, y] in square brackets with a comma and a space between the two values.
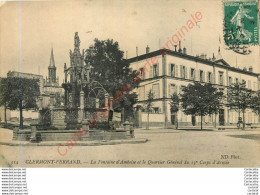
[241, 25]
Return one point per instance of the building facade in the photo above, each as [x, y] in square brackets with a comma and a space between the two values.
[166, 72]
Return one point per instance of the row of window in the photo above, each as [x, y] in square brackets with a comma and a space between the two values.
[154, 110]
[155, 91]
[172, 88]
[230, 81]
[153, 72]
[183, 73]
[248, 84]
[173, 71]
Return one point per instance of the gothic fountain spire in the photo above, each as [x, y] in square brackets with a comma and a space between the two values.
[76, 43]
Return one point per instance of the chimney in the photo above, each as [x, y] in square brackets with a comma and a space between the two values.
[147, 49]
[250, 69]
[213, 58]
[184, 50]
[136, 51]
[180, 47]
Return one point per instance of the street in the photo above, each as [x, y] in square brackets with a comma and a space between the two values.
[165, 148]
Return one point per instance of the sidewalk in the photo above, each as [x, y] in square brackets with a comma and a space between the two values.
[197, 128]
[220, 128]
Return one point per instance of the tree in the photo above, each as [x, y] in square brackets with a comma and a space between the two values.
[175, 106]
[2, 100]
[255, 104]
[19, 93]
[239, 98]
[111, 70]
[126, 106]
[148, 106]
[201, 100]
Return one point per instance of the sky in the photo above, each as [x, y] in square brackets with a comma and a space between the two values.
[28, 30]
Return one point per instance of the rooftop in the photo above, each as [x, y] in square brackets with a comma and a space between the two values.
[218, 63]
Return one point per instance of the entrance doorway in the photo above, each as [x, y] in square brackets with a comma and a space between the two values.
[221, 117]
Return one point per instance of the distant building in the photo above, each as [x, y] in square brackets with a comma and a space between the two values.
[169, 71]
[28, 76]
[51, 83]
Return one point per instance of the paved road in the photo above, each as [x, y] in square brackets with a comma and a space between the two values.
[165, 148]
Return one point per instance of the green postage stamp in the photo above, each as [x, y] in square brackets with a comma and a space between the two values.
[241, 25]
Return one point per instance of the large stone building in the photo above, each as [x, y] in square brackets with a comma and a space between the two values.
[166, 71]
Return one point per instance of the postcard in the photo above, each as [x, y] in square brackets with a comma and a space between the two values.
[129, 83]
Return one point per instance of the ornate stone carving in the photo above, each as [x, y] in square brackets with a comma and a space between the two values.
[76, 40]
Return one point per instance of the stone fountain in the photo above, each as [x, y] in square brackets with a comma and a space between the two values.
[83, 98]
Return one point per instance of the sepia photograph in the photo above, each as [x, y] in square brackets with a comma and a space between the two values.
[130, 83]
